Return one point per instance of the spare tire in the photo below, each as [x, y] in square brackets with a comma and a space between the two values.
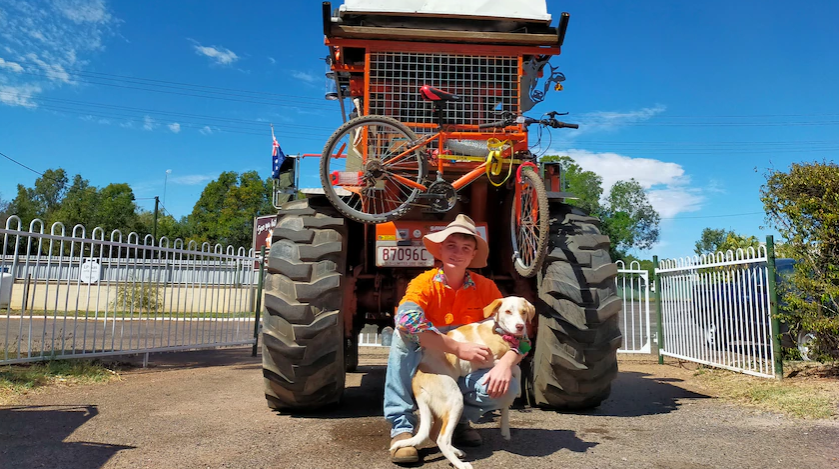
[303, 329]
[575, 358]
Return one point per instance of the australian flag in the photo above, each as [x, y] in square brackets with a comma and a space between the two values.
[277, 159]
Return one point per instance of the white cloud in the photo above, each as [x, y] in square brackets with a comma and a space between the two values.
[221, 55]
[53, 71]
[50, 39]
[19, 95]
[13, 66]
[666, 185]
[206, 130]
[272, 60]
[83, 11]
[175, 127]
[191, 179]
[149, 123]
[303, 76]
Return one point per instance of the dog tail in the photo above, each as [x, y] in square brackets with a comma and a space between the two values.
[426, 418]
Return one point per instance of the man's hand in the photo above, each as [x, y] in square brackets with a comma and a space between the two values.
[497, 380]
[473, 352]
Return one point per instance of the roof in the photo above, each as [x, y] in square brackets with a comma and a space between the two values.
[527, 10]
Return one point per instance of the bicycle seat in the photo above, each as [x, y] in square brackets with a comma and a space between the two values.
[429, 93]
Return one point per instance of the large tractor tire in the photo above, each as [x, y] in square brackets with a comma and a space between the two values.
[575, 359]
[303, 329]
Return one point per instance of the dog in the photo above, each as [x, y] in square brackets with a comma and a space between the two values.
[435, 387]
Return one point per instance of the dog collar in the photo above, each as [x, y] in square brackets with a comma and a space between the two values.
[519, 345]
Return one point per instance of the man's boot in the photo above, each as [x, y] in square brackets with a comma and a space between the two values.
[465, 435]
[407, 455]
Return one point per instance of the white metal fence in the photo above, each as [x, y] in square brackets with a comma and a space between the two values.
[634, 288]
[716, 311]
[78, 296]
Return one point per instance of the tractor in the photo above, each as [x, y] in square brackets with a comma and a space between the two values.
[433, 99]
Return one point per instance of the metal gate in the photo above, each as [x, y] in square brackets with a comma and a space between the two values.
[80, 296]
[717, 310]
[633, 286]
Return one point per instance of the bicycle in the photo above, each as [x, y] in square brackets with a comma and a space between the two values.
[385, 171]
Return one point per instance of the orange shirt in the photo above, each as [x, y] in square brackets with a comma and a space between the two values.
[444, 306]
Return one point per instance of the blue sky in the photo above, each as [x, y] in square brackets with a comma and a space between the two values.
[693, 99]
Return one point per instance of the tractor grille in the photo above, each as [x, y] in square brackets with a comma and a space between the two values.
[485, 83]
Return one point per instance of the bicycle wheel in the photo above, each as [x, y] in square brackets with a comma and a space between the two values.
[529, 224]
[367, 172]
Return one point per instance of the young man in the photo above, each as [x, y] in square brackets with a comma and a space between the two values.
[435, 302]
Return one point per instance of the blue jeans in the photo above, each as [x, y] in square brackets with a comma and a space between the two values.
[399, 399]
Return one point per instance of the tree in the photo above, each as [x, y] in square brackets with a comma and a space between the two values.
[117, 210]
[80, 205]
[41, 201]
[626, 214]
[4, 211]
[628, 218]
[803, 204]
[24, 206]
[713, 241]
[225, 211]
[585, 185]
[710, 241]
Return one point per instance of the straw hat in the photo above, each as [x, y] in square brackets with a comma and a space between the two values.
[462, 224]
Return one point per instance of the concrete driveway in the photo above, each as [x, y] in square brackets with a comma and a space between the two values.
[206, 410]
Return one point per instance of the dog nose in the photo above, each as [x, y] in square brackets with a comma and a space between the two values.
[519, 327]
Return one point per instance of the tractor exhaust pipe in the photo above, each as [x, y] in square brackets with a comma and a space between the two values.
[563, 25]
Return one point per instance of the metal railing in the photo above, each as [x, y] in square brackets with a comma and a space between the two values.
[716, 310]
[633, 285]
[78, 296]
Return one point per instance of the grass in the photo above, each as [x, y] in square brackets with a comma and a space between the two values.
[17, 380]
[813, 394]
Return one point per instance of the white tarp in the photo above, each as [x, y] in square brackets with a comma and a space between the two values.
[533, 10]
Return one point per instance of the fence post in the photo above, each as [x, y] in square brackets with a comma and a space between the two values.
[777, 357]
[258, 301]
[659, 315]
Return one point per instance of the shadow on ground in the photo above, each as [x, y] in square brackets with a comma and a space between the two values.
[636, 394]
[33, 436]
[239, 357]
[528, 442]
[364, 400]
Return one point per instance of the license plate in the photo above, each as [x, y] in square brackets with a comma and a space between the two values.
[403, 256]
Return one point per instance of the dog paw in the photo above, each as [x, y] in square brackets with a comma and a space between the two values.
[505, 435]
[458, 453]
[466, 465]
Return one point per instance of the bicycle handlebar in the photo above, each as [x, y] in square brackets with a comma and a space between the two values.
[501, 123]
[510, 120]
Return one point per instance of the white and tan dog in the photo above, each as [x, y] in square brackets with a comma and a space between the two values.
[435, 387]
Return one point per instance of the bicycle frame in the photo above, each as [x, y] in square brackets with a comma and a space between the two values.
[441, 136]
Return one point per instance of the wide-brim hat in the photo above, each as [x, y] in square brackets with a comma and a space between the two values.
[462, 224]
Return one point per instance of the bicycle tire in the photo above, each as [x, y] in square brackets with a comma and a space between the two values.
[382, 198]
[530, 238]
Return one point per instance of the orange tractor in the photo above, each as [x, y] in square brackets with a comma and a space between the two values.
[437, 129]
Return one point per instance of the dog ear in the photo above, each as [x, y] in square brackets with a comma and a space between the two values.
[491, 308]
[530, 310]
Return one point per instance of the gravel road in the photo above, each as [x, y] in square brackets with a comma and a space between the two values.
[206, 410]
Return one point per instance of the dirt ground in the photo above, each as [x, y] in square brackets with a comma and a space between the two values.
[207, 410]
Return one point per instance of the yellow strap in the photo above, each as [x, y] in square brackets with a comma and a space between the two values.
[494, 163]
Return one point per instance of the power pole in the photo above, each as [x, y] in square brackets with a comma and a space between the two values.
[154, 229]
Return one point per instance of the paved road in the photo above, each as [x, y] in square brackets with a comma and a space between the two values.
[89, 335]
[206, 410]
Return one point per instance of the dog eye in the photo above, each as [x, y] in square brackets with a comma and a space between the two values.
[508, 312]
